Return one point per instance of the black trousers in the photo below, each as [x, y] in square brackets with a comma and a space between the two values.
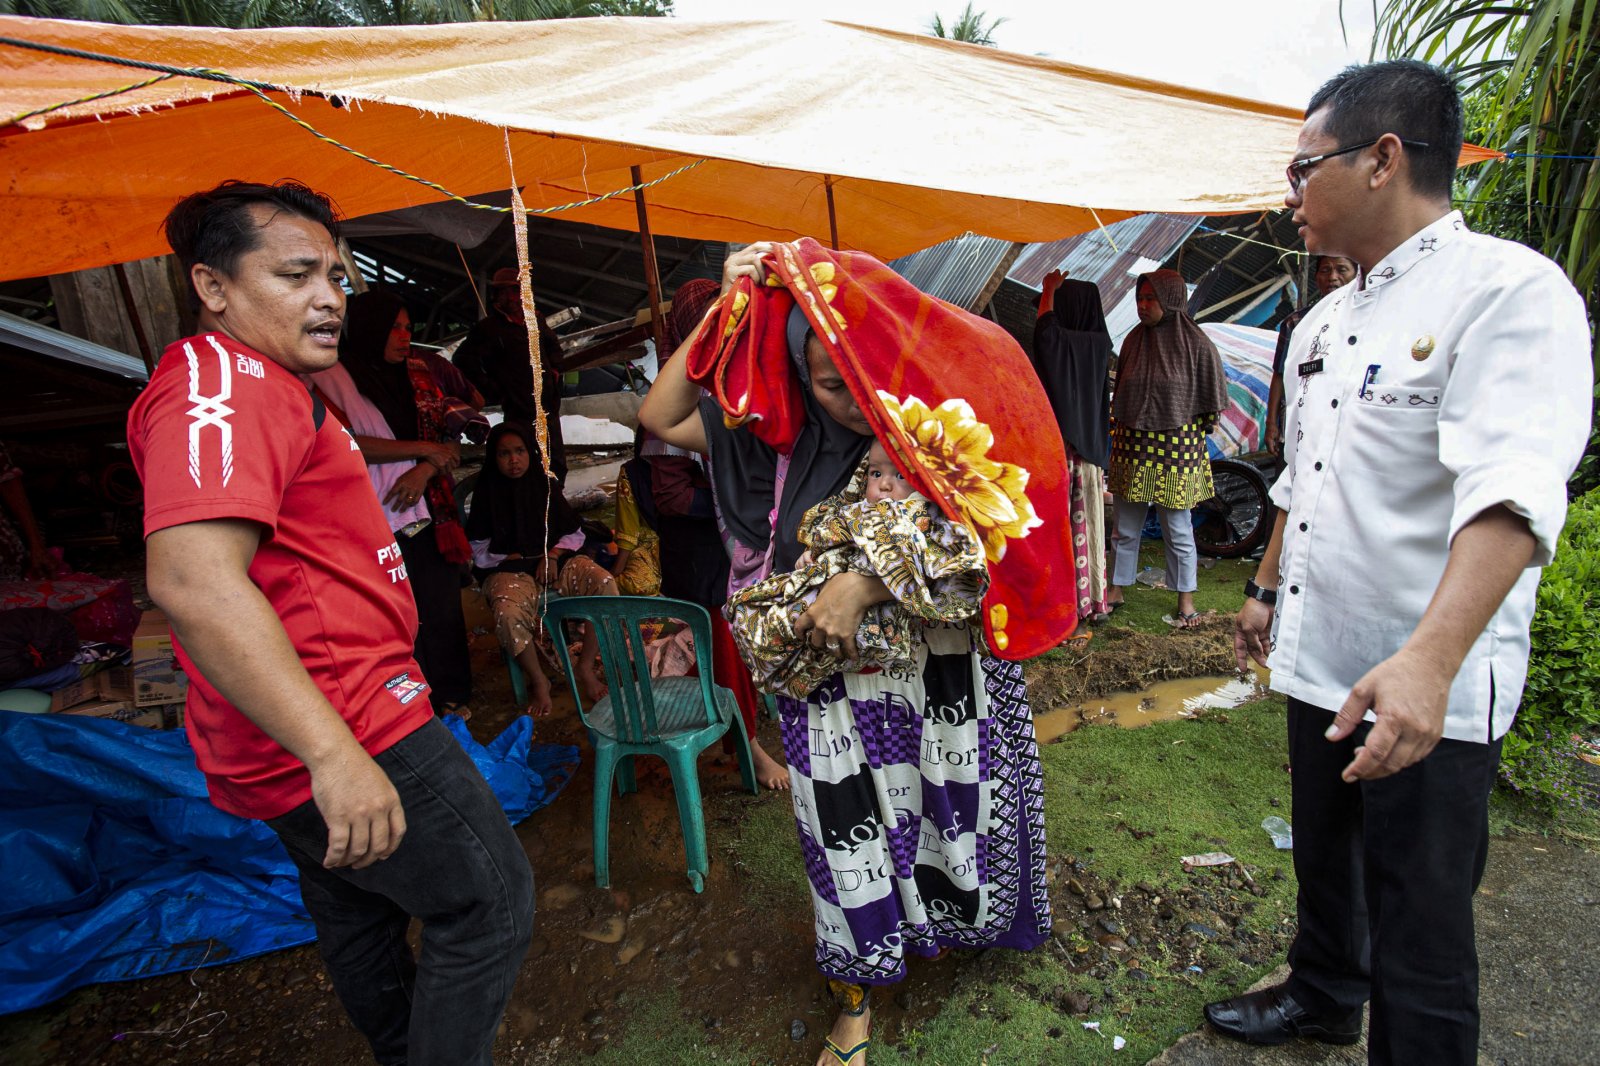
[441, 648]
[1387, 872]
[461, 871]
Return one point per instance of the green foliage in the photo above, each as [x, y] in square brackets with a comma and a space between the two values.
[1531, 75]
[1563, 691]
[1587, 477]
[973, 27]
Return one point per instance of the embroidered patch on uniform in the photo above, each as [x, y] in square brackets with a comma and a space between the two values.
[402, 688]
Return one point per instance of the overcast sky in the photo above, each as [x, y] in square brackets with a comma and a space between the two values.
[1277, 50]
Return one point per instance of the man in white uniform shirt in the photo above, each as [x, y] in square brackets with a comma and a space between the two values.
[1436, 407]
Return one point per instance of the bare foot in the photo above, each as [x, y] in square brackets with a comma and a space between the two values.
[771, 773]
[848, 1031]
[592, 684]
[539, 700]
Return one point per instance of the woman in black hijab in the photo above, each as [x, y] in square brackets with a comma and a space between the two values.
[374, 389]
[525, 538]
[1072, 354]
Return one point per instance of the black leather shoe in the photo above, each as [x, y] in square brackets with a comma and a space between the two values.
[1271, 1016]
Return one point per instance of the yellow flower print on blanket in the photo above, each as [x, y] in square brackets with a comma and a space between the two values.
[953, 449]
[823, 276]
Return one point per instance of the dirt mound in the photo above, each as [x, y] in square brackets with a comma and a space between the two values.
[1122, 660]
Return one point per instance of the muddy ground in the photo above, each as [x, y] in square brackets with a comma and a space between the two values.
[594, 950]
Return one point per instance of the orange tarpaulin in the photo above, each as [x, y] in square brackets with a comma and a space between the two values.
[921, 139]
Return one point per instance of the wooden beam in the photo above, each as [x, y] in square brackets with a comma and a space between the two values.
[833, 215]
[134, 320]
[651, 277]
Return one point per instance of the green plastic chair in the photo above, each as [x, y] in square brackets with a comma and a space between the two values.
[674, 717]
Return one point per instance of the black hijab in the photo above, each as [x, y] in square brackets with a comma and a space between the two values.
[743, 470]
[368, 319]
[511, 513]
[1072, 352]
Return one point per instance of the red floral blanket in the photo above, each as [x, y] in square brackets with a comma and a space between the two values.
[952, 396]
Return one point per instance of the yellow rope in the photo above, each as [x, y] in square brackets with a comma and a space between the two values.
[436, 187]
[17, 120]
[258, 87]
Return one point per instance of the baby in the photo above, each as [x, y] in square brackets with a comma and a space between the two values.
[878, 527]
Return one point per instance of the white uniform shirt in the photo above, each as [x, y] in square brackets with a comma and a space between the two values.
[1457, 379]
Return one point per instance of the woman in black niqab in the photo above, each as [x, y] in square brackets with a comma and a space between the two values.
[1072, 355]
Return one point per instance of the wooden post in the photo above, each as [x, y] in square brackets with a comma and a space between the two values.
[652, 277]
[133, 319]
[833, 217]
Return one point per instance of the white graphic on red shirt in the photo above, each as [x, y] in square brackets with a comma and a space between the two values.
[210, 410]
[389, 555]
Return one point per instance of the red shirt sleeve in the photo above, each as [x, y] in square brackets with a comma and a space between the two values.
[219, 433]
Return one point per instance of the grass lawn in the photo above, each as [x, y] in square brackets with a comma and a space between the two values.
[1221, 589]
[1121, 807]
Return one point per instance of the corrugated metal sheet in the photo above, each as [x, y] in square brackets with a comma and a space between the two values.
[955, 271]
[58, 345]
[1105, 256]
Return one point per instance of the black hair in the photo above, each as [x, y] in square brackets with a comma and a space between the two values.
[216, 228]
[1413, 100]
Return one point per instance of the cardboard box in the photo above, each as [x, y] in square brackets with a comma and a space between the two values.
[166, 716]
[114, 685]
[157, 678]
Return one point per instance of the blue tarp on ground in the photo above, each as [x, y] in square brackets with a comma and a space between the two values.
[114, 864]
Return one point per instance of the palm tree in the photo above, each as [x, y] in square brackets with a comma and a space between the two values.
[973, 27]
[1530, 73]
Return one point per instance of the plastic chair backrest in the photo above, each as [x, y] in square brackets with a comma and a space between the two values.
[622, 654]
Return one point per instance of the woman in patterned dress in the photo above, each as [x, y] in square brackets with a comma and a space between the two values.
[917, 794]
[1170, 390]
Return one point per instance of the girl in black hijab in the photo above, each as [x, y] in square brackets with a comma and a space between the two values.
[1072, 354]
[525, 538]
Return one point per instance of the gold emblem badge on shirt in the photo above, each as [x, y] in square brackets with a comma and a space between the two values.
[1422, 347]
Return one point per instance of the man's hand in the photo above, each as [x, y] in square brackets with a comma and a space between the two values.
[1252, 634]
[830, 623]
[1408, 694]
[409, 487]
[444, 455]
[359, 804]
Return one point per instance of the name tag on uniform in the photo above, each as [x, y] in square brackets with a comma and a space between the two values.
[1310, 366]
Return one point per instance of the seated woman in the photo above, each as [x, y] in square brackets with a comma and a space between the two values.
[407, 432]
[878, 527]
[525, 539]
[638, 564]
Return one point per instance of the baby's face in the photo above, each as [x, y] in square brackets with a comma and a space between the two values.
[884, 482]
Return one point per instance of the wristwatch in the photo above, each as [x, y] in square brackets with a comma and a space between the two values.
[1256, 592]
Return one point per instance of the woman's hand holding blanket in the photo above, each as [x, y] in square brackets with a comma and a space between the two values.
[831, 622]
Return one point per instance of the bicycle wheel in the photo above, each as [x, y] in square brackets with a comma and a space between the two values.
[1238, 518]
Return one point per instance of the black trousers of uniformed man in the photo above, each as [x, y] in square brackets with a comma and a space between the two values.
[1387, 872]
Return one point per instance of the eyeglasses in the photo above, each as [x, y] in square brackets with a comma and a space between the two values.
[1300, 169]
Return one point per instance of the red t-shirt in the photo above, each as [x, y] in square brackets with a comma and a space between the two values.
[222, 432]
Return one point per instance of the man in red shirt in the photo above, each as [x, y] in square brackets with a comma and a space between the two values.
[293, 617]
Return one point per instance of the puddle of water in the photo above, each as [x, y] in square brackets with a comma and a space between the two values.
[1161, 702]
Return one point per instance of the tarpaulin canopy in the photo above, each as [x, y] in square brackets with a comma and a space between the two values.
[920, 139]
